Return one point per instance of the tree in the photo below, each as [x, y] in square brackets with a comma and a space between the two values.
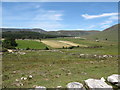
[9, 43]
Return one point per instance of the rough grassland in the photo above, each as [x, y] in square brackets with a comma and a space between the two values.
[23, 44]
[52, 68]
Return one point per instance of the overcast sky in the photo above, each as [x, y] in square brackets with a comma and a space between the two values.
[60, 15]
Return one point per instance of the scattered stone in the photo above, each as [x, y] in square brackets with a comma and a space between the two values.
[59, 86]
[22, 53]
[93, 84]
[91, 62]
[97, 40]
[23, 78]
[105, 56]
[75, 86]
[1, 53]
[18, 84]
[14, 72]
[57, 76]
[40, 88]
[16, 80]
[114, 79]
[82, 54]
[10, 51]
[30, 77]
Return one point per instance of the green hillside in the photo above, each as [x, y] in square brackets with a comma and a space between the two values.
[110, 34]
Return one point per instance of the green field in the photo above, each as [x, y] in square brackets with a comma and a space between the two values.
[57, 67]
[23, 44]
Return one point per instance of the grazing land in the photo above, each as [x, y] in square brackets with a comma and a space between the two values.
[57, 67]
[23, 44]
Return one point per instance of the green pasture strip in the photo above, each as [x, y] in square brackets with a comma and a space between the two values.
[23, 44]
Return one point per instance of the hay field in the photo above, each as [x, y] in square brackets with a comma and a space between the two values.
[60, 44]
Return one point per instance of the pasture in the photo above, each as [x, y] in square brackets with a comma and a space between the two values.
[23, 44]
[57, 67]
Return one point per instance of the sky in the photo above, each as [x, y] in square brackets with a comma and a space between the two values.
[53, 16]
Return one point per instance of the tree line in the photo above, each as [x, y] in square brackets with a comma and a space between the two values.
[27, 35]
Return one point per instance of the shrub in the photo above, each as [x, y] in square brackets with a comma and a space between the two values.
[4, 50]
[46, 48]
[71, 47]
[27, 48]
[9, 43]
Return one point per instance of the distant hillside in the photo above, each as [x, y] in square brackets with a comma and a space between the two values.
[15, 29]
[60, 32]
[73, 32]
[110, 34]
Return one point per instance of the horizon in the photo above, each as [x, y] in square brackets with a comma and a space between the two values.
[56, 16]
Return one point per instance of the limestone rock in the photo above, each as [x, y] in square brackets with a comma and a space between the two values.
[75, 86]
[95, 84]
[115, 79]
[40, 88]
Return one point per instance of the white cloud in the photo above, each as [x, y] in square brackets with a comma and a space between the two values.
[114, 17]
[86, 16]
[47, 25]
[106, 22]
[49, 15]
[79, 29]
[91, 27]
[48, 19]
[105, 26]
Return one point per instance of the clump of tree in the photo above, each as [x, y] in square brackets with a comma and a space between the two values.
[9, 43]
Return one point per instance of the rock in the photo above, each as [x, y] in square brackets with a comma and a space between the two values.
[105, 56]
[10, 51]
[16, 80]
[75, 86]
[14, 72]
[23, 78]
[40, 88]
[91, 62]
[97, 40]
[18, 84]
[59, 86]
[102, 79]
[22, 53]
[94, 84]
[115, 79]
[30, 77]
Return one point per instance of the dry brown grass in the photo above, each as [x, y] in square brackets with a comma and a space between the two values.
[60, 44]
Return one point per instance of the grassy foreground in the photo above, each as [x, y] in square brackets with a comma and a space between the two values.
[57, 67]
